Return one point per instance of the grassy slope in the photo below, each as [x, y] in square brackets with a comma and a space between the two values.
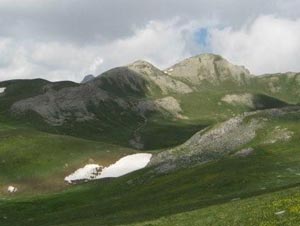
[143, 195]
[37, 162]
[161, 133]
[260, 210]
[282, 86]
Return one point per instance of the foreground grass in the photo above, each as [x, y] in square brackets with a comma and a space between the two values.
[278, 208]
[145, 196]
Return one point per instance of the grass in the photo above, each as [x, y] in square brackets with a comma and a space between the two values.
[146, 196]
[37, 162]
[281, 86]
[262, 210]
[158, 134]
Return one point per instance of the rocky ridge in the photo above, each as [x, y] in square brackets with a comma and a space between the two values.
[221, 140]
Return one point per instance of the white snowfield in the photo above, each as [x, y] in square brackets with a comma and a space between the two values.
[123, 166]
[2, 89]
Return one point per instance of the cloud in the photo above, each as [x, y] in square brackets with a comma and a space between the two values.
[83, 22]
[160, 42]
[268, 45]
[95, 65]
[66, 39]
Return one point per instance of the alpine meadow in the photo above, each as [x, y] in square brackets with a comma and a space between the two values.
[204, 142]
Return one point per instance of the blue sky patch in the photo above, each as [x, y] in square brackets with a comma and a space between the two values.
[202, 36]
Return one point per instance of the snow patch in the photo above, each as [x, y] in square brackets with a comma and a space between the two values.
[88, 172]
[2, 89]
[280, 212]
[12, 189]
[126, 165]
[123, 166]
[169, 71]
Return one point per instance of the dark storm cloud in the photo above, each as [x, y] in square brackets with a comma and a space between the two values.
[84, 21]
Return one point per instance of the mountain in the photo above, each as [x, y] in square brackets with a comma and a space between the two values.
[119, 96]
[88, 78]
[219, 137]
[209, 69]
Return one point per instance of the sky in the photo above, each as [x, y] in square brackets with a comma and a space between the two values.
[68, 39]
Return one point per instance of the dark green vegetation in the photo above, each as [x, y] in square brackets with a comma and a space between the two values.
[280, 208]
[243, 169]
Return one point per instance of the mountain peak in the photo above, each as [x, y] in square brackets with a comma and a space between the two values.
[143, 67]
[88, 78]
[208, 67]
[141, 64]
[208, 56]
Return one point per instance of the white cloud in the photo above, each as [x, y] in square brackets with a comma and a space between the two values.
[268, 45]
[96, 65]
[161, 43]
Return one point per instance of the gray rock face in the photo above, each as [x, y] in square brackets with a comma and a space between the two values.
[209, 68]
[58, 106]
[165, 82]
[171, 105]
[244, 152]
[246, 99]
[219, 141]
[212, 143]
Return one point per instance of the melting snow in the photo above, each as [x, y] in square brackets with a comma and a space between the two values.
[88, 172]
[12, 189]
[123, 166]
[126, 165]
[169, 71]
[2, 89]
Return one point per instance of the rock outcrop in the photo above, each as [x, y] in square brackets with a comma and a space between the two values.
[221, 140]
[165, 82]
